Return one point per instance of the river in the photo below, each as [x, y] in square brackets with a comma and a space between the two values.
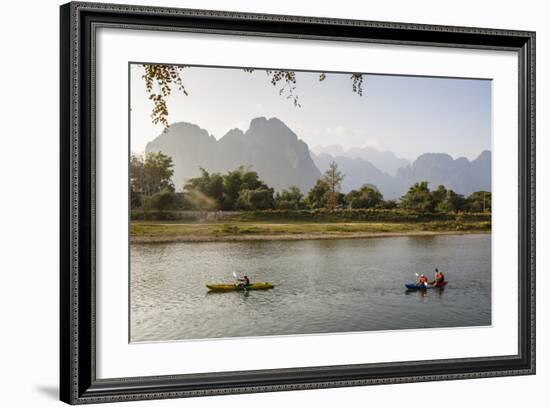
[321, 286]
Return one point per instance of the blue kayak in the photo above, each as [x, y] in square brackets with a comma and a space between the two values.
[423, 287]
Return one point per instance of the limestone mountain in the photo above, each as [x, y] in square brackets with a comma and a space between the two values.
[268, 147]
[282, 160]
[460, 175]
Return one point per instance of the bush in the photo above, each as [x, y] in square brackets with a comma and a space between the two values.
[162, 201]
[255, 199]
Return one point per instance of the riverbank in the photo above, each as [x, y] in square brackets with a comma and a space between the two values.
[156, 232]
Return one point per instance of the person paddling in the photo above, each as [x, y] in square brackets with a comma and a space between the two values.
[244, 282]
[422, 280]
[439, 278]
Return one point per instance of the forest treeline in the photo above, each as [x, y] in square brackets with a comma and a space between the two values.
[241, 189]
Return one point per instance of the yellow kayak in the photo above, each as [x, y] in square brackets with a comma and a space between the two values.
[233, 287]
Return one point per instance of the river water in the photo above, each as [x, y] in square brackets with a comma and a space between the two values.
[321, 286]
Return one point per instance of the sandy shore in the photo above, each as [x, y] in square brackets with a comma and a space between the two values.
[291, 237]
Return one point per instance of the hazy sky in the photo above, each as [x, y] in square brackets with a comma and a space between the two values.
[406, 115]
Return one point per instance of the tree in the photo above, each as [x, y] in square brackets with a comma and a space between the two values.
[452, 202]
[455, 202]
[205, 191]
[159, 80]
[391, 204]
[291, 198]
[237, 180]
[136, 180]
[255, 199]
[251, 180]
[340, 200]
[163, 200]
[208, 184]
[446, 200]
[214, 191]
[333, 179]
[418, 198]
[439, 196]
[366, 197]
[479, 201]
[151, 173]
[135, 200]
[231, 188]
[317, 196]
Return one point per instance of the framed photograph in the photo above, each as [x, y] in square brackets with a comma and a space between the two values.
[254, 203]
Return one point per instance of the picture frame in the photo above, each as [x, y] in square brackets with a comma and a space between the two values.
[79, 382]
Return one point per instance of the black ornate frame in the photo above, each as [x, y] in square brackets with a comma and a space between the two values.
[78, 382]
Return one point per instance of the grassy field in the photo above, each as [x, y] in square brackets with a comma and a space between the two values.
[144, 231]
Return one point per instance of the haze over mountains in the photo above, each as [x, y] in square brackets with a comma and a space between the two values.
[358, 172]
[283, 160]
[385, 161]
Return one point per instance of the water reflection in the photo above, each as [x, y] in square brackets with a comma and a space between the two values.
[434, 292]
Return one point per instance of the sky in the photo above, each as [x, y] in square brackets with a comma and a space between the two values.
[404, 114]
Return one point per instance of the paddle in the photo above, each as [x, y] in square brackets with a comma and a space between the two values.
[237, 280]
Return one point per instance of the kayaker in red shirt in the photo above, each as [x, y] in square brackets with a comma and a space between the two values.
[439, 278]
[422, 280]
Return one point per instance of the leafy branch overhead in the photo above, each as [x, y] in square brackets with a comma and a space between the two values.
[159, 80]
[158, 84]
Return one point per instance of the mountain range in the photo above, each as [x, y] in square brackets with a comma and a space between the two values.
[385, 161]
[282, 160]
